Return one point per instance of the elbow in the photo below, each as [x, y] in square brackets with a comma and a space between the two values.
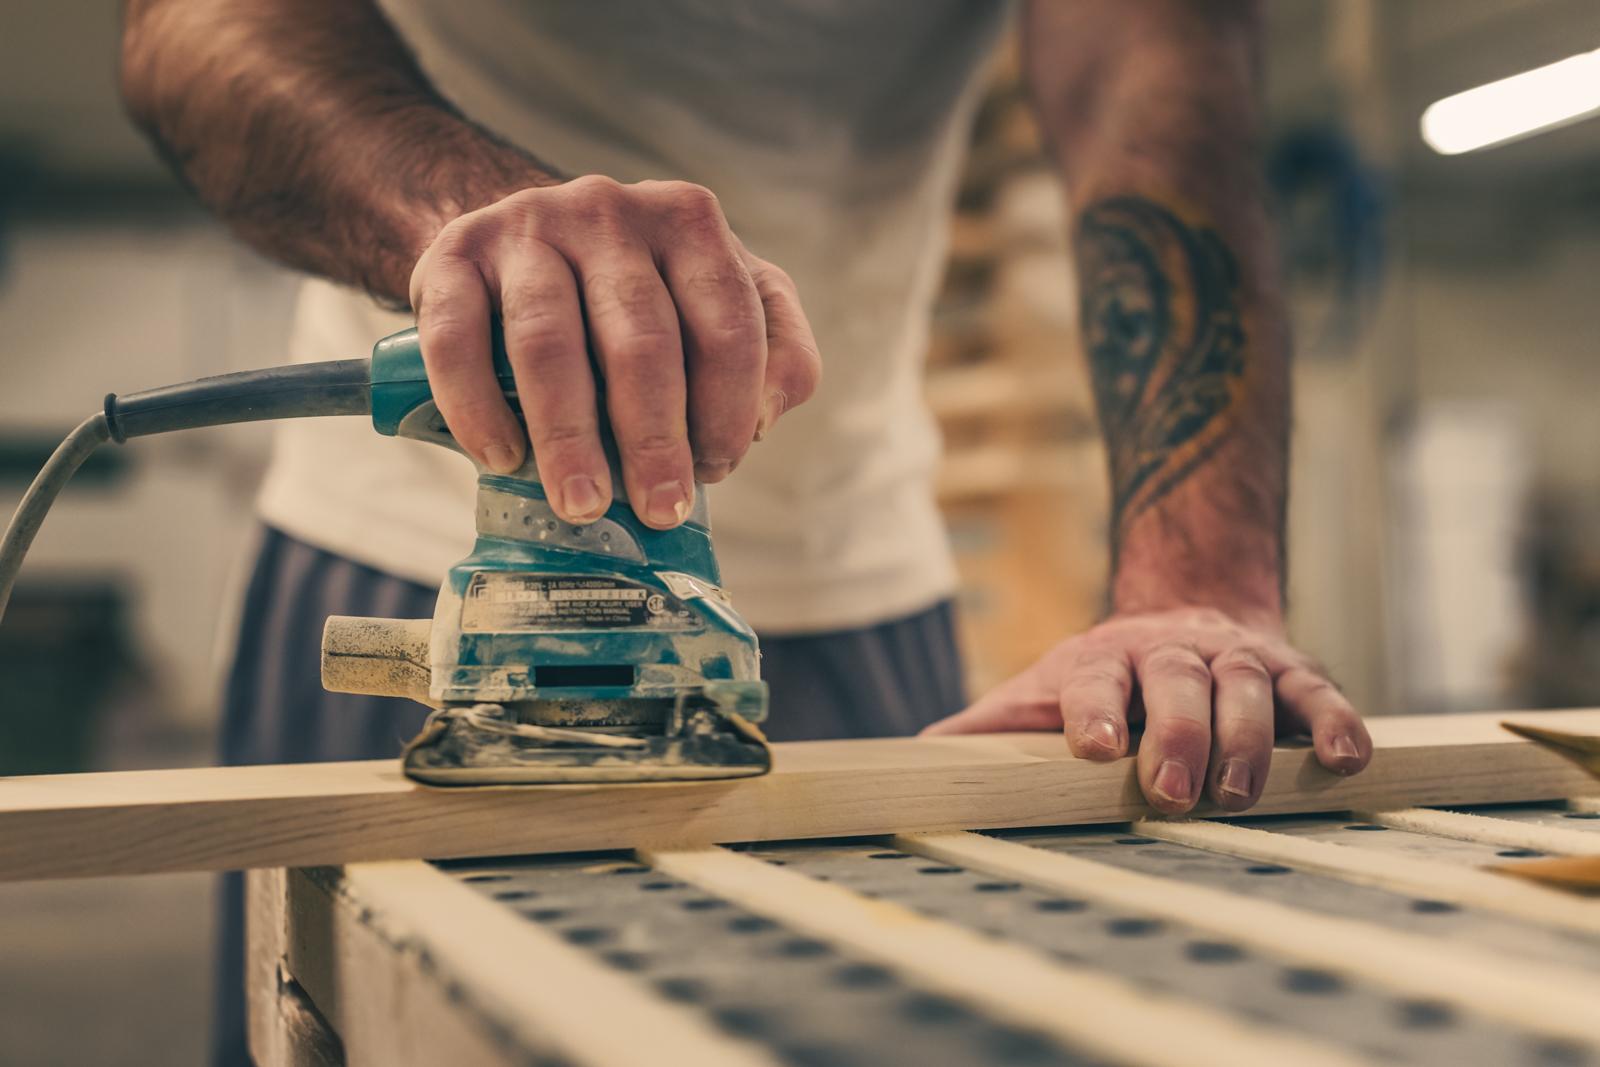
[137, 66]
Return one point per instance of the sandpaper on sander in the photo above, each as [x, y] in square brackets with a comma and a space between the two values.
[558, 653]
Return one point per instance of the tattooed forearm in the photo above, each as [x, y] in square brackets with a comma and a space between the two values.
[1167, 349]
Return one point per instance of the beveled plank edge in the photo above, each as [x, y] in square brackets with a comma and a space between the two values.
[314, 830]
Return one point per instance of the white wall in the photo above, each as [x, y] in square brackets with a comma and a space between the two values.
[89, 310]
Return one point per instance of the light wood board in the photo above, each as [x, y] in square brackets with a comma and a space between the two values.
[1463, 827]
[142, 822]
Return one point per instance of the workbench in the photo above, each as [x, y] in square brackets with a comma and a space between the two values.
[781, 921]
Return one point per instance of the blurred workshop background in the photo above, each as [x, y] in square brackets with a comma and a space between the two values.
[1445, 509]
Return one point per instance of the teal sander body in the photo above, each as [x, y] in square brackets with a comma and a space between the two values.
[558, 653]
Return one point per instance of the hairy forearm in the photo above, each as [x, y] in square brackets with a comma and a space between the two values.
[1150, 110]
[306, 126]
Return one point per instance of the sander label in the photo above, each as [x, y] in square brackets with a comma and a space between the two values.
[512, 601]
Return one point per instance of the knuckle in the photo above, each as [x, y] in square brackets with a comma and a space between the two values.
[708, 281]
[594, 212]
[655, 446]
[793, 370]
[462, 239]
[563, 437]
[804, 378]
[429, 291]
[538, 328]
[1095, 672]
[470, 416]
[1184, 735]
[591, 187]
[737, 337]
[604, 225]
[451, 344]
[1097, 678]
[688, 199]
[1244, 663]
[773, 276]
[633, 297]
[1249, 737]
[1178, 662]
[1303, 683]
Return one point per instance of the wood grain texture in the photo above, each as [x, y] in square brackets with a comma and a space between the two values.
[144, 822]
[1484, 830]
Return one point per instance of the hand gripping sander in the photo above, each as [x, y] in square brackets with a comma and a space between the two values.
[606, 652]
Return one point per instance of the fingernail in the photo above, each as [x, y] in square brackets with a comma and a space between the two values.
[714, 470]
[1102, 734]
[1344, 747]
[1173, 782]
[1235, 778]
[770, 410]
[501, 459]
[668, 504]
[582, 496]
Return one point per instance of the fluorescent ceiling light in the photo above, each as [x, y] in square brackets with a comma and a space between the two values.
[1514, 107]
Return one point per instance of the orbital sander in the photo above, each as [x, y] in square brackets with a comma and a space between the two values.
[558, 653]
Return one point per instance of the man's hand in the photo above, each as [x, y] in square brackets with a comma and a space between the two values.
[307, 126]
[701, 344]
[1210, 693]
[1150, 110]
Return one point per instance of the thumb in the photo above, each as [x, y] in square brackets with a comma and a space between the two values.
[794, 366]
[1017, 705]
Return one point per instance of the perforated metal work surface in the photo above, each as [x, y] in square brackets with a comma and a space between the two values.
[1332, 896]
[813, 1004]
[816, 1002]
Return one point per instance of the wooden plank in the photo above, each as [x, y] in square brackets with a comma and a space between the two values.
[265, 945]
[1489, 831]
[1546, 999]
[139, 822]
[382, 995]
[1401, 874]
[414, 968]
[1087, 1011]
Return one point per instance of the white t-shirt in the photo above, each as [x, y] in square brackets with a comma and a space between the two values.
[832, 131]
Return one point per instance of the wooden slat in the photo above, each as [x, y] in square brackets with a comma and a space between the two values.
[137, 822]
[1088, 1011]
[384, 996]
[1464, 827]
[1546, 999]
[488, 970]
[266, 943]
[1402, 874]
